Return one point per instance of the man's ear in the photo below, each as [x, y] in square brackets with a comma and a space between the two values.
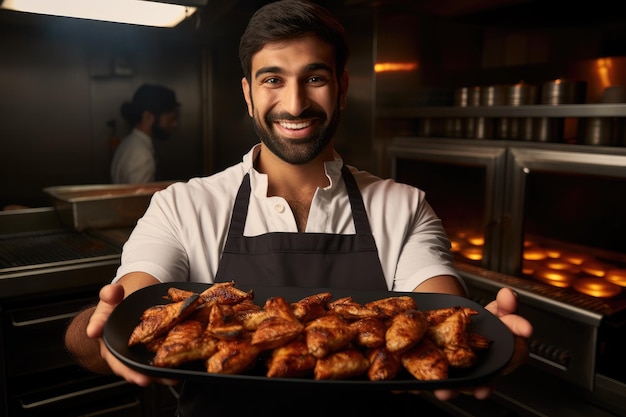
[245, 87]
[343, 86]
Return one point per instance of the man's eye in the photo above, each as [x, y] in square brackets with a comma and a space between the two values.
[272, 80]
[316, 80]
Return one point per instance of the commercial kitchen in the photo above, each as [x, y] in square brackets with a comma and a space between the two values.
[510, 114]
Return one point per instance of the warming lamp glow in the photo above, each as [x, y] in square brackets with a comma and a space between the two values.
[474, 254]
[395, 66]
[555, 278]
[147, 13]
[596, 269]
[575, 258]
[534, 254]
[616, 276]
[476, 240]
[596, 287]
[563, 266]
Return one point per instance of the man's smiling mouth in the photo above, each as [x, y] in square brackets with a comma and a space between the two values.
[295, 125]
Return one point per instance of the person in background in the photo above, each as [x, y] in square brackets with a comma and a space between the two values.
[292, 213]
[153, 114]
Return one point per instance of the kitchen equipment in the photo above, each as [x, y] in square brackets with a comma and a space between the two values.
[526, 205]
[554, 93]
[103, 205]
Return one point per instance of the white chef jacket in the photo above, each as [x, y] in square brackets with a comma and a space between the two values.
[134, 161]
[183, 232]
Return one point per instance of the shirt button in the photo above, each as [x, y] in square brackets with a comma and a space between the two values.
[279, 208]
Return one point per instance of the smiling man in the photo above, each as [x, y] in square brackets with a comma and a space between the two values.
[291, 214]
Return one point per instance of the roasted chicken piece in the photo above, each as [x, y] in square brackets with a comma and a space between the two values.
[291, 360]
[425, 361]
[370, 332]
[251, 319]
[349, 309]
[439, 315]
[328, 334]
[221, 324]
[477, 341]
[186, 342]
[276, 331]
[405, 331]
[225, 293]
[311, 307]
[391, 306]
[344, 364]
[279, 307]
[160, 319]
[233, 356]
[384, 365]
[451, 337]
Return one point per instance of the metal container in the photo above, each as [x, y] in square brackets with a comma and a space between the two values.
[102, 206]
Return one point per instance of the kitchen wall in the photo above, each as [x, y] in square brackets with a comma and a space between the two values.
[62, 82]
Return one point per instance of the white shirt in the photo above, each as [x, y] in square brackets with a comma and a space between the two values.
[134, 160]
[183, 232]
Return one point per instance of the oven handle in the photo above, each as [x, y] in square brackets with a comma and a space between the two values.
[74, 394]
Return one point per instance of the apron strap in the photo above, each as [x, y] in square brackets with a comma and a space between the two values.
[359, 215]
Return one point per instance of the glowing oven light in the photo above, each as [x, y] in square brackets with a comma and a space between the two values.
[563, 266]
[472, 253]
[575, 258]
[561, 279]
[616, 276]
[476, 240]
[596, 287]
[596, 269]
[535, 254]
[455, 245]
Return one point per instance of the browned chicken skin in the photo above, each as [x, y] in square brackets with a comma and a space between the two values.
[425, 361]
[290, 360]
[314, 336]
[405, 331]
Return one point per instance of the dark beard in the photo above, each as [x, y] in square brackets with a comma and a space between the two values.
[157, 131]
[306, 149]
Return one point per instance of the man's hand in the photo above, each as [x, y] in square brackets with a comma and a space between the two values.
[503, 307]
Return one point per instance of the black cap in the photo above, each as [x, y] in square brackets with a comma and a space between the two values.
[154, 98]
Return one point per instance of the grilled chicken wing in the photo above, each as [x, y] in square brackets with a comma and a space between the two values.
[405, 330]
[451, 336]
[221, 324]
[160, 319]
[370, 332]
[345, 364]
[425, 361]
[384, 365]
[291, 360]
[349, 309]
[276, 331]
[311, 307]
[328, 334]
[232, 356]
[225, 293]
[391, 306]
[186, 342]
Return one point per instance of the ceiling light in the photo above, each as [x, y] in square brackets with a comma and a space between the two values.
[138, 12]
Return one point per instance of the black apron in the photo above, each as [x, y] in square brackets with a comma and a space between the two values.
[312, 260]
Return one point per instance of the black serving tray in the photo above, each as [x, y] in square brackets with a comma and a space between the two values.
[491, 361]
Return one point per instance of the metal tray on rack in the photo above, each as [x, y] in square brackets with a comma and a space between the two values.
[102, 206]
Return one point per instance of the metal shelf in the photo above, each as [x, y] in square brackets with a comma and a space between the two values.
[541, 110]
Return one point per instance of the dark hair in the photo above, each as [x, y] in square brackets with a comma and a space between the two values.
[290, 19]
[152, 97]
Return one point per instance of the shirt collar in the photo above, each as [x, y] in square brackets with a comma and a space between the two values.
[333, 170]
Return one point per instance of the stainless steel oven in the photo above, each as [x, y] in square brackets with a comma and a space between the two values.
[547, 220]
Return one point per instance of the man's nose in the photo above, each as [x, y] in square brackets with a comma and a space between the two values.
[295, 99]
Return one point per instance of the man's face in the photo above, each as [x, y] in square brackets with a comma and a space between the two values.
[294, 97]
[165, 124]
